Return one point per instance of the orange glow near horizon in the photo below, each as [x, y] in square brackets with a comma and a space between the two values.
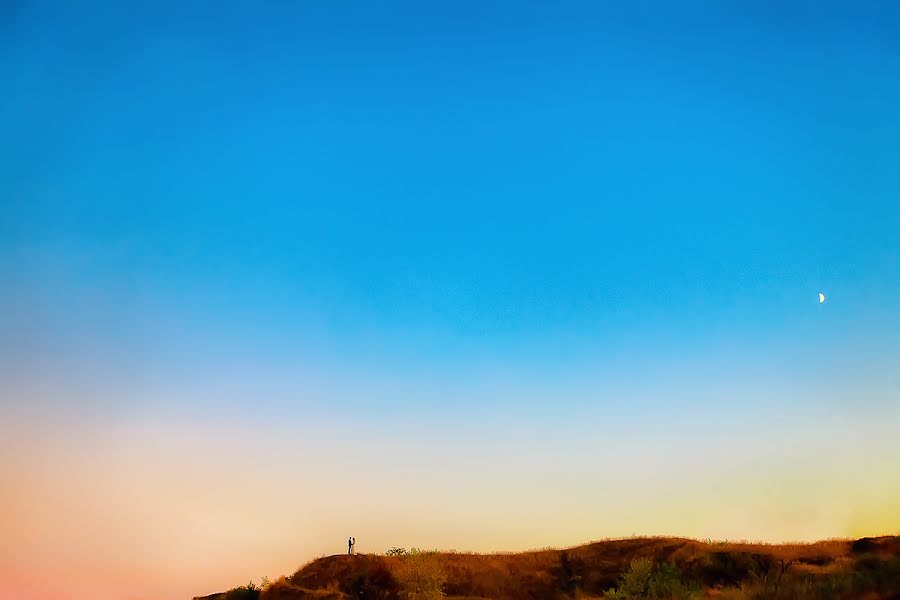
[144, 512]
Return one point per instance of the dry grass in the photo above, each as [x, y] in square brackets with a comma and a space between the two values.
[832, 568]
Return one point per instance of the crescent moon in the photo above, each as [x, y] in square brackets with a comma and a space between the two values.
[821, 297]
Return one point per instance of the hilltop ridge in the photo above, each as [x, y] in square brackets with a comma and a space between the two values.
[627, 568]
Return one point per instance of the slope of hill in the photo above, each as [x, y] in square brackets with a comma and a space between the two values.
[630, 568]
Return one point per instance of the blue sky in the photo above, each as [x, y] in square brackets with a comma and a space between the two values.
[403, 218]
[495, 175]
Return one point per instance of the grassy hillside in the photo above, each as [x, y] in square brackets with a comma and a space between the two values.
[619, 569]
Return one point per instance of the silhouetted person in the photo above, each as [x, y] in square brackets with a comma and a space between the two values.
[350, 545]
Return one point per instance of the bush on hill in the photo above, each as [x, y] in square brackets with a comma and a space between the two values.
[645, 580]
[244, 592]
[421, 575]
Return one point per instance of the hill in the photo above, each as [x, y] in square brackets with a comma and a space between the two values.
[630, 568]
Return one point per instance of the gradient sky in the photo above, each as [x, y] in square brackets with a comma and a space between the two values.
[442, 274]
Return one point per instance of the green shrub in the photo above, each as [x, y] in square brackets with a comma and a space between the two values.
[644, 580]
[635, 582]
[667, 582]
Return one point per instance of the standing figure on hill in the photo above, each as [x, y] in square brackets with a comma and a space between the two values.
[353, 545]
[350, 545]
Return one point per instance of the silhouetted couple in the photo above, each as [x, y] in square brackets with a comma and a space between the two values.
[351, 542]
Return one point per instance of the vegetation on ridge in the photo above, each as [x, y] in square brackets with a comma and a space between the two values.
[645, 568]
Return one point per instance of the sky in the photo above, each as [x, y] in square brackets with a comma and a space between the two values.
[454, 275]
